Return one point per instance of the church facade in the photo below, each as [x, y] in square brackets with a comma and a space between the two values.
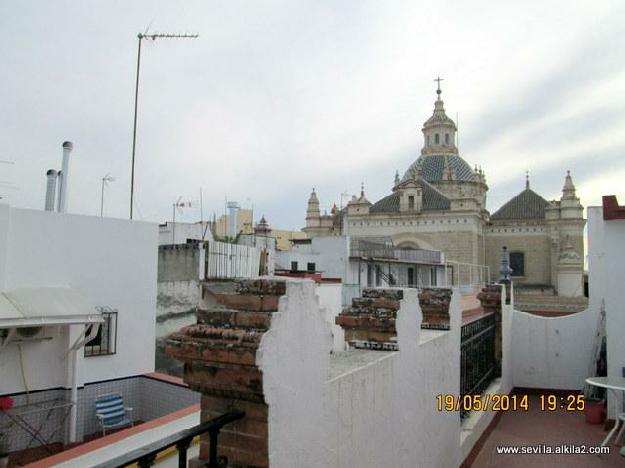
[440, 204]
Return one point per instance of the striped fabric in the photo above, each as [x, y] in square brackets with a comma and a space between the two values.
[111, 411]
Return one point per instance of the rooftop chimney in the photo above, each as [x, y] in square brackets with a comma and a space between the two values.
[50, 189]
[64, 176]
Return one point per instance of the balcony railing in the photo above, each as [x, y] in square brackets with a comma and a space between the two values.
[145, 456]
[364, 248]
[477, 356]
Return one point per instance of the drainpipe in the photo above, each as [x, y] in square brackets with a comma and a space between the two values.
[78, 344]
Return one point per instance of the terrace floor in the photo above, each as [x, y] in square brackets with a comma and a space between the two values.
[536, 427]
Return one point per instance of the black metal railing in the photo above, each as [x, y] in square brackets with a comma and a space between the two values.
[389, 278]
[146, 455]
[477, 356]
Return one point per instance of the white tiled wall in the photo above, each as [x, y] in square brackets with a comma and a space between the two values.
[149, 398]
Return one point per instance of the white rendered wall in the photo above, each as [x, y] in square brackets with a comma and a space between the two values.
[330, 255]
[606, 277]
[111, 262]
[552, 352]
[340, 412]
[329, 296]
[183, 231]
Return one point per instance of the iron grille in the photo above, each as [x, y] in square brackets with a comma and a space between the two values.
[477, 356]
[105, 342]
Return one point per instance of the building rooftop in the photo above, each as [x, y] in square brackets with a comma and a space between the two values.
[432, 166]
[526, 205]
[536, 427]
[433, 200]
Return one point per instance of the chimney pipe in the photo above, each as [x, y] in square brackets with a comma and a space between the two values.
[50, 189]
[64, 176]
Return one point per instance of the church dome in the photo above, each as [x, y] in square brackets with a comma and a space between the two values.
[439, 158]
[432, 167]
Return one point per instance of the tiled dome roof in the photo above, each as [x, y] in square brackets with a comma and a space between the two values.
[433, 200]
[526, 205]
[431, 168]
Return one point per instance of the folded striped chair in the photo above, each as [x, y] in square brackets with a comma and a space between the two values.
[111, 412]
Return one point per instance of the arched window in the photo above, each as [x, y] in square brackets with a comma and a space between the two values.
[446, 138]
[436, 139]
[427, 140]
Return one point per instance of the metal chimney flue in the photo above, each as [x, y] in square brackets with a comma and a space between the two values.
[50, 189]
[64, 176]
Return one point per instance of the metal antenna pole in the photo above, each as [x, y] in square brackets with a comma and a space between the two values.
[173, 225]
[102, 199]
[105, 180]
[134, 130]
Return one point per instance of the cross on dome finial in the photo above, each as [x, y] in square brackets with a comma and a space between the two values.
[438, 79]
[362, 189]
[527, 179]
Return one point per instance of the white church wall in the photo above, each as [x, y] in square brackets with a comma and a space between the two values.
[358, 408]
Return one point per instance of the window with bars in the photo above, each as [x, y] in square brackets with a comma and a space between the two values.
[105, 342]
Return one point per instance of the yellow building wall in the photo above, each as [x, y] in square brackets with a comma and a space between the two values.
[283, 237]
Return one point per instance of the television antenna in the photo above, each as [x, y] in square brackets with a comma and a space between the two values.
[141, 37]
[178, 206]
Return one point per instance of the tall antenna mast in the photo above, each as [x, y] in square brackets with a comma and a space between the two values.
[141, 37]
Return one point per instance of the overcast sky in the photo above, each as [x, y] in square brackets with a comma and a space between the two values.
[276, 97]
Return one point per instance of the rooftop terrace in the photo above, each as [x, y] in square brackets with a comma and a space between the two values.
[536, 427]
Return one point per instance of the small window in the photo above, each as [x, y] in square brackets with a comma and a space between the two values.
[433, 276]
[293, 266]
[411, 202]
[446, 138]
[436, 139]
[310, 267]
[517, 263]
[427, 140]
[105, 341]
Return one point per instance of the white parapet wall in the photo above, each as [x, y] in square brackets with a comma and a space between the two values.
[359, 407]
[552, 352]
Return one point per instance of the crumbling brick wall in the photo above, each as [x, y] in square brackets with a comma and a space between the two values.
[434, 304]
[370, 321]
[219, 355]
